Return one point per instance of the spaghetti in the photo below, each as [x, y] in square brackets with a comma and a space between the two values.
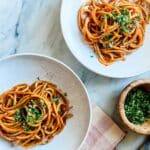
[113, 28]
[33, 114]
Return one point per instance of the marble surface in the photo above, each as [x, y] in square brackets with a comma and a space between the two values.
[34, 26]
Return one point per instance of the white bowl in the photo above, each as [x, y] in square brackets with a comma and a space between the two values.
[27, 68]
[135, 63]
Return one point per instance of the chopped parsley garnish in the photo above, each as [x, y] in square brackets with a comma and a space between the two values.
[26, 127]
[125, 29]
[55, 99]
[38, 78]
[137, 18]
[18, 115]
[108, 37]
[124, 20]
[42, 103]
[126, 25]
[65, 94]
[124, 11]
[137, 106]
[106, 16]
[33, 115]
[29, 114]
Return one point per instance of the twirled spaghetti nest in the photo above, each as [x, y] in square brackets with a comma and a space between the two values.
[113, 28]
[33, 114]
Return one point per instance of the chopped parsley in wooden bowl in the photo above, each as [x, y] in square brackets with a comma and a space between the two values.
[134, 106]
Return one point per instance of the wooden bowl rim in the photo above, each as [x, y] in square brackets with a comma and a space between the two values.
[136, 128]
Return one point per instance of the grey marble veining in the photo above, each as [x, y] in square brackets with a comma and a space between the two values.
[9, 15]
[34, 26]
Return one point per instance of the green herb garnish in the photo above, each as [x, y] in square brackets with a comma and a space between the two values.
[26, 127]
[33, 115]
[123, 20]
[42, 103]
[28, 114]
[18, 115]
[137, 106]
[55, 99]
[124, 11]
[125, 29]
[106, 16]
[65, 94]
[108, 37]
[38, 78]
[137, 18]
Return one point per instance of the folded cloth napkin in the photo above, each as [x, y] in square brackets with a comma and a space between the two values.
[104, 134]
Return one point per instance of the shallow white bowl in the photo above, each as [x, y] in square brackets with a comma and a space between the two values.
[27, 68]
[135, 63]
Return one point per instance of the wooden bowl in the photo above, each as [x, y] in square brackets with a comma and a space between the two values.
[141, 129]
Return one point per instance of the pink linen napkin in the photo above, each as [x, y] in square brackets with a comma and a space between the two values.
[104, 134]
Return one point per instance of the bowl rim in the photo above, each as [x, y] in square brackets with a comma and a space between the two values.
[68, 68]
[121, 110]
